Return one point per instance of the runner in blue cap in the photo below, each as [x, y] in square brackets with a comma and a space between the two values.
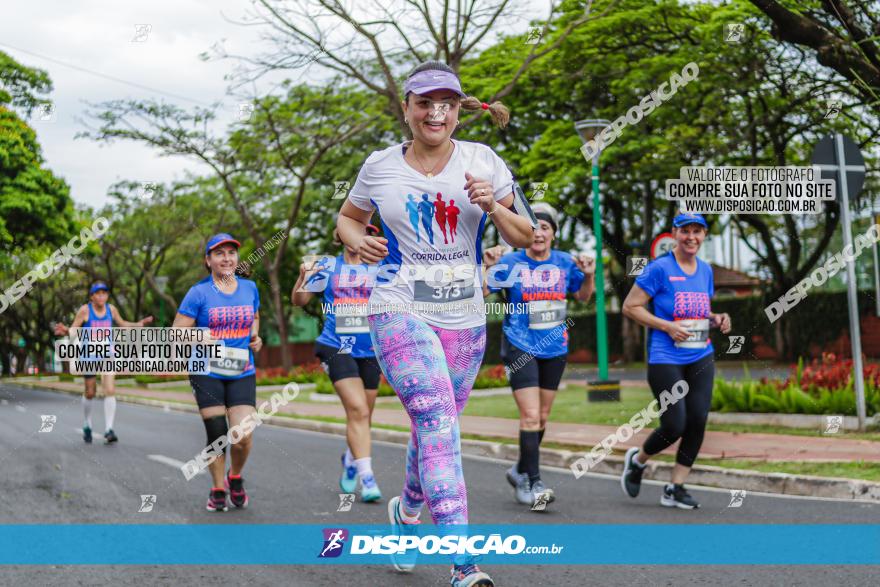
[680, 354]
[346, 352]
[534, 346]
[229, 306]
[99, 314]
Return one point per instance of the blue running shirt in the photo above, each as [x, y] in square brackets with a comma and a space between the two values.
[346, 299]
[230, 318]
[536, 290]
[676, 296]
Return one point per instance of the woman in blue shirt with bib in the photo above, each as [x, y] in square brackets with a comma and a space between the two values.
[227, 394]
[346, 352]
[680, 355]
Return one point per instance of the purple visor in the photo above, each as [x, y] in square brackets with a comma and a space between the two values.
[431, 80]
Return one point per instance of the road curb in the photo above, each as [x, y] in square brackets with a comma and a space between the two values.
[781, 483]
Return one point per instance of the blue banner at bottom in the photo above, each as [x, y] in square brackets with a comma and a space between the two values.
[496, 544]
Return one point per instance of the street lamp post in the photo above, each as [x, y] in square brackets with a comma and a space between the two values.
[603, 388]
[162, 281]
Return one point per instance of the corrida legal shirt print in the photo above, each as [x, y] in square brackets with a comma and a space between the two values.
[434, 233]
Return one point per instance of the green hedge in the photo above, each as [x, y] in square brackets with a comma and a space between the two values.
[818, 319]
[756, 396]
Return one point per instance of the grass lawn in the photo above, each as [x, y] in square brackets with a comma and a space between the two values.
[571, 406]
[869, 471]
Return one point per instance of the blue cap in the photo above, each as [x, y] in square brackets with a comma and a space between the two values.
[220, 239]
[98, 286]
[685, 219]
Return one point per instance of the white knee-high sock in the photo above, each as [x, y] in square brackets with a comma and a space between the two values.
[87, 410]
[109, 411]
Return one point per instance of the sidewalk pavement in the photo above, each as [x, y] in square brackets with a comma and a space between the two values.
[753, 446]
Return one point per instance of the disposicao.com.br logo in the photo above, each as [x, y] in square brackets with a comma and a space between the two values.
[431, 544]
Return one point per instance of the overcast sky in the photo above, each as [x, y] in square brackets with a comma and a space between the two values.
[99, 36]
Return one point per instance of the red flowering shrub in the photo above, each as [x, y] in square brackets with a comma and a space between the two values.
[831, 373]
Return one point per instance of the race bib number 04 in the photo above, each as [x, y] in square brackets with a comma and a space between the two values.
[546, 314]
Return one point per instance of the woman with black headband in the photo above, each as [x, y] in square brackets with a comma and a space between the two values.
[534, 347]
[428, 321]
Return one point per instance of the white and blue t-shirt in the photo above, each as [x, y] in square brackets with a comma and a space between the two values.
[434, 233]
[230, 318]
[676, 296]
[538, 288]
[345, 300]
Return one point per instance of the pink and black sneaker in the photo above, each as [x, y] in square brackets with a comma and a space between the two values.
[237, 495]
[217, 500]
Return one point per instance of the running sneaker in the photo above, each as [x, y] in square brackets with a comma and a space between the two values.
[217, 500]
[470, 576]
[538, 487]
[676, 496]
[631, 478]
[513, 476]
[523, 491]
[110, 437]
[369, 489]
[237, 495]
[349, 479]
[404, 563]
[87, 434]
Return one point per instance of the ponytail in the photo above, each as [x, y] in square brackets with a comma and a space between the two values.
[498, 111]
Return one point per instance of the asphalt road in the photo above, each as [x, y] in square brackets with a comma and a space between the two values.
[54, 478]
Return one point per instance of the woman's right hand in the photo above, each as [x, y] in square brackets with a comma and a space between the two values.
[678, 332]
[372, 249]
[307, 268]
[492, 255]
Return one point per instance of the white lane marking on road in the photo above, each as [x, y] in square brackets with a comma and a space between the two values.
[169, 461]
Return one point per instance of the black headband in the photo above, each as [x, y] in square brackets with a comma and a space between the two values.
[547, 217]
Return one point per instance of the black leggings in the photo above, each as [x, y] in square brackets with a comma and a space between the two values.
[685, 419]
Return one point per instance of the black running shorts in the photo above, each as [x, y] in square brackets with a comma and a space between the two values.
[343, 365]
[211, 391]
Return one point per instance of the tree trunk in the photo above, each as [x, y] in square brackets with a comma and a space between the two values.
[280, 319]
[632, 339]
[779, 340]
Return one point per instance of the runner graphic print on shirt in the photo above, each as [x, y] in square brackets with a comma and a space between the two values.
[689, 305]
[231, 321]
[434, 233]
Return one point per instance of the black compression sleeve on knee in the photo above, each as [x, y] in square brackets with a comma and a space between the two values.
[530, 451]
[216, 427]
